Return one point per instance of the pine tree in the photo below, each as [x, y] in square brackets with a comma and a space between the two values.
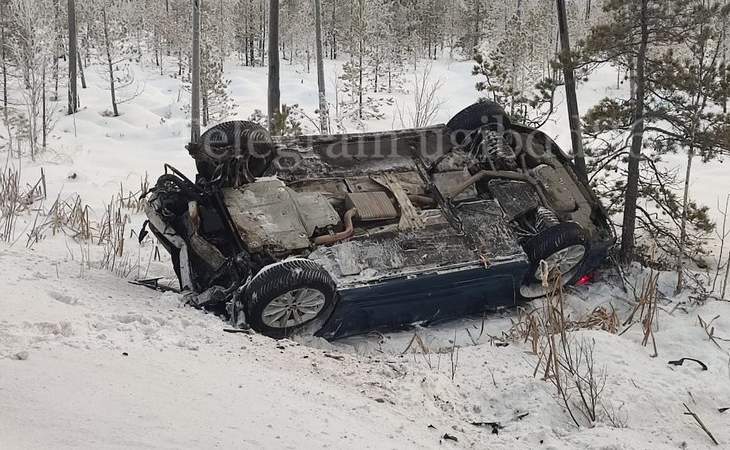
[669, 109]
[514, 71]
[116, 50]
[214, 47]
[688, 91]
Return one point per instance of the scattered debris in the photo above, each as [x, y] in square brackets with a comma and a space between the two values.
[449, 437]
[496, 426]
[337, 357]
[679, 362]
[702, 425]
[238, 330]
[154, 284]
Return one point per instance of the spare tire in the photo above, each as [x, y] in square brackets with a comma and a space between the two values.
[563, 246]
[291, 296]
[475, 116]
[234, 139]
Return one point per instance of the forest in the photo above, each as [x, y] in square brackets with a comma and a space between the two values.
[671, 55]
[99, 97]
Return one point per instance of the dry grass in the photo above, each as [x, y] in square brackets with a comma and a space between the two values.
[74, 218]
[565, 361]
[16, 199]
[526, 328]
[132, 200]
[69, 216]
[112, 229]
[600, 319]
[416, 345]
[710, 330]
[646, 308]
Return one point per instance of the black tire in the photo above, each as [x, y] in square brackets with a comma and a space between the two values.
[274, 283]
[567, 237]
[225, 141]
[475, 116]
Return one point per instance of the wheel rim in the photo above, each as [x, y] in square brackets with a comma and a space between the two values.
[565, 260]
[293, 308]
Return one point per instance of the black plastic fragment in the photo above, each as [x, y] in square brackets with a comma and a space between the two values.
[143, 232]
[495, 426]
[679, 362]
[450, 437]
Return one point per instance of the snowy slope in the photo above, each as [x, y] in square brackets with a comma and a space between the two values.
[89, 360]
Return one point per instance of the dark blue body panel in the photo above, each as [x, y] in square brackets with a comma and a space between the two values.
[392, 303]
[425, 297]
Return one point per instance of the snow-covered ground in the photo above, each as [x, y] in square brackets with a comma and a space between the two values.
[88, 360]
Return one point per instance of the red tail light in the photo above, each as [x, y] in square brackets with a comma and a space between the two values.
[585, 279]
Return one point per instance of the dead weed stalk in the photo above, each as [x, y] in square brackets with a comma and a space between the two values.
[646, 307]
[16, 199]
[567, 362]
[417, 343]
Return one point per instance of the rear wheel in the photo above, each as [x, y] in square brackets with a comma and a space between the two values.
[235, 139]
[563, 247]
[292, 296]
[474, 117]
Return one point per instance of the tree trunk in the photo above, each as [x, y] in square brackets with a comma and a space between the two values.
[44, 110]
[3, 61]
[252, 56]
[205, 105]
[81, 74]
[334, 30]
[683, 224]
[107, 46]
[72, 57]
[476, 18]
[195, 82]
[323, 113]
[628, 237]
[576, 134]
[262, 41]
[274, 93]
[359, 84]
[724, 80]
[727, 276]
[56, 47]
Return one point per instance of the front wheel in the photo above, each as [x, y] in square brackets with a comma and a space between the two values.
[563, 247]
[288, 297]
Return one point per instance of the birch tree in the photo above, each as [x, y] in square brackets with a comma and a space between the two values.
[323, 108]
[31, 47]
[72, 58]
